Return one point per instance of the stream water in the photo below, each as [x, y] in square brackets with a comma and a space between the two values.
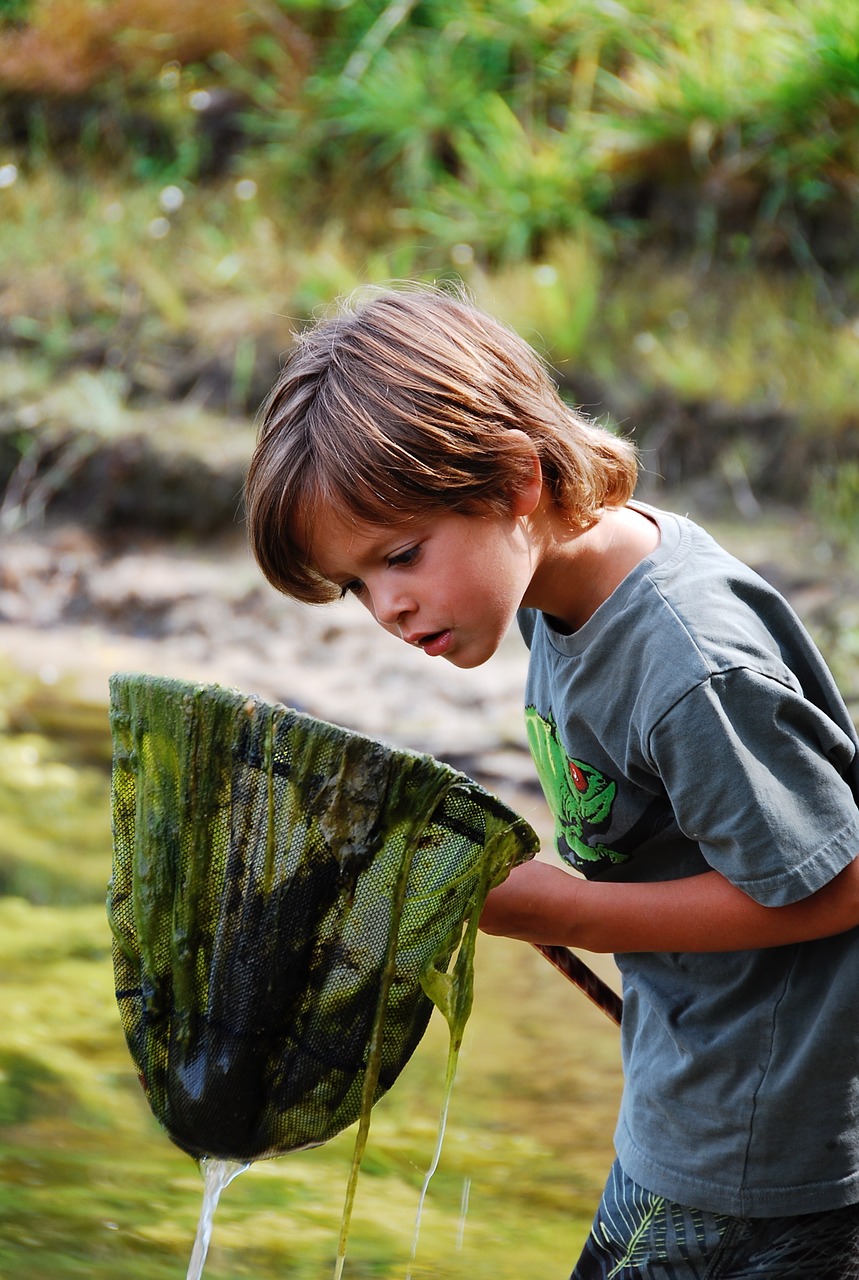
[218, 1174]
[91, 1184]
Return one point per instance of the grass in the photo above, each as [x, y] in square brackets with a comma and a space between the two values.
[658, 196]
[778, 338]
[192, 325]
[224, 279]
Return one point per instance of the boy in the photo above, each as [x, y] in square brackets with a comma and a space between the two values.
[701, 766]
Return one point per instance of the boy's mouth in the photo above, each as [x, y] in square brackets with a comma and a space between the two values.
[435, 642]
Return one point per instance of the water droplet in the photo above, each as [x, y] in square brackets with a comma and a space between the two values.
[545, 276]
[462, 254]
[171, 199]
[170, 75]
[645, 343]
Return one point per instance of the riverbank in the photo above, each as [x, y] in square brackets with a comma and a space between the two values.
[76, 605]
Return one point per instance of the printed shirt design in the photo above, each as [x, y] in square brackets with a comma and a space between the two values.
[579, 796]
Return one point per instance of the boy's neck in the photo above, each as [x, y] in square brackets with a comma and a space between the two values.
[577, 572]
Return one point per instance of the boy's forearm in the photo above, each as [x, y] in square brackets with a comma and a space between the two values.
[542, 903]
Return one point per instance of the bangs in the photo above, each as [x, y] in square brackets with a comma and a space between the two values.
[413, 404]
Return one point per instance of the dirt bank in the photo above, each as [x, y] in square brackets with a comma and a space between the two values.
[76, 605]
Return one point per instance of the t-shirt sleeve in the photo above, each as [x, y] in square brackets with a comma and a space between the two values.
[756, 775]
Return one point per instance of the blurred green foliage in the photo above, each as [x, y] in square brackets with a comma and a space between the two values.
[835, 502]
[660, 194]
[13, 11]
[500, 124]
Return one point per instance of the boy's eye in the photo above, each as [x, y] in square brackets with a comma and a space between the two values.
[403, 557]
[354, 588]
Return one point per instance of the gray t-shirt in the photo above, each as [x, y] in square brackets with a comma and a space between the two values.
[691, 724]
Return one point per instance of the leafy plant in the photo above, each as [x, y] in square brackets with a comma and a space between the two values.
[513, 190]
[13, 12]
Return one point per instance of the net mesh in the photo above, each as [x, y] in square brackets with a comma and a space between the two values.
[280, 887]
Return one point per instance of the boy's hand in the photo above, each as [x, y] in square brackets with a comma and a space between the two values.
[536, 903]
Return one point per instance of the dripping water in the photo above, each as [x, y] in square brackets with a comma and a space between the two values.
[374, 1060]
[453, 995]
[463, 1212]
[217, 1174]
[450, 1076]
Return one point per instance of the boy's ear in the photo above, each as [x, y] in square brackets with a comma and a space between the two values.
[525, 498]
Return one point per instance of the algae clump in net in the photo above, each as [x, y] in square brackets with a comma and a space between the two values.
[286, 900]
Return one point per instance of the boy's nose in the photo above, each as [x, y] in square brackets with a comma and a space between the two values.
[390, 607]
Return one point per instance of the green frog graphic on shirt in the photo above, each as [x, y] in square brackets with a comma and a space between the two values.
[579, 796]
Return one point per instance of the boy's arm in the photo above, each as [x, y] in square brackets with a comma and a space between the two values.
[544, 904]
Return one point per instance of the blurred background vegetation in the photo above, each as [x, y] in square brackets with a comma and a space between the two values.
[662, 196]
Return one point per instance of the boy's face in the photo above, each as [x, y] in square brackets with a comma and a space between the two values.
[448, 583]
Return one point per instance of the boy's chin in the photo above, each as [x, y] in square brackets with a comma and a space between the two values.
[467, 659]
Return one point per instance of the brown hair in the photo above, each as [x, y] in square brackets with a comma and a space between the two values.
[402, 404]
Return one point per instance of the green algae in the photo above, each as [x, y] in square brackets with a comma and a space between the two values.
[238, 827]
[452, 993]
[374, 1060]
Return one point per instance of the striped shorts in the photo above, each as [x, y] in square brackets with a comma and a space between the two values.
[640, 1236]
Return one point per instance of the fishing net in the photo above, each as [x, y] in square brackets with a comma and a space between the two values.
[286, 901]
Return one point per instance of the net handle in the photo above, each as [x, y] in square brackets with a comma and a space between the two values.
[577, 972]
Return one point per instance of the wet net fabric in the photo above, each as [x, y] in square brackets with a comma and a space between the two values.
[278, 884]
